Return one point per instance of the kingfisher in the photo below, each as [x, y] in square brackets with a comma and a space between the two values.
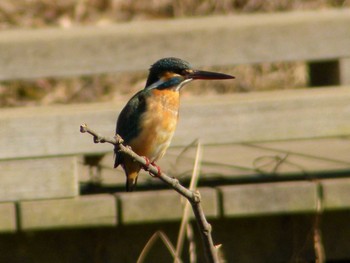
[148, 121]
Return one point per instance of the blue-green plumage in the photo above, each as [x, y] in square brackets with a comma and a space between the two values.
[128, 124]
[148, 121]
[171, 64]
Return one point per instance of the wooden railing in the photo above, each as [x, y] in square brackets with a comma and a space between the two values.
[220, 40]
[41, 147]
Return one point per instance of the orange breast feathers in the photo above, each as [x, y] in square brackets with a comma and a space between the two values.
[158, 124]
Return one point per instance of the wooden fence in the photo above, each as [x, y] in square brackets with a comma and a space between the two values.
[41, 148]
[219, 40]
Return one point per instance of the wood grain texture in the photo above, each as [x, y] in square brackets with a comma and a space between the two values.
[336, 193]
[344, 68]
[249, 200]
[275, 160]
[260, 116]
[241, 39]
[8, 217]
[266, 199]
[38, 178]
[160, 206]
[86, 211]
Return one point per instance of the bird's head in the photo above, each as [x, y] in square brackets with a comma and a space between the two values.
[174, 73]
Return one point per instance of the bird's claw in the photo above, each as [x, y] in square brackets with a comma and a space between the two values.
[158, 169]
[147, 164]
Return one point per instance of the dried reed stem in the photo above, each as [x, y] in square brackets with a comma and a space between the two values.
[192, 196]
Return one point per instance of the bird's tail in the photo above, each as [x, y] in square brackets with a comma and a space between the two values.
[132, 170]
[131, 181]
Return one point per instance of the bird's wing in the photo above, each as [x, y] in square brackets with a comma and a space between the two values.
[128, 121]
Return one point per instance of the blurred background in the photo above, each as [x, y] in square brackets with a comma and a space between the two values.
[273, 143]
[113, 87]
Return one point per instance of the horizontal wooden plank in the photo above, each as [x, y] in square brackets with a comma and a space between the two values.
[261, 116]
[165, 205]
[344, 66]
[335, 150]
[336, 193]
[275, 160]
[38, 178]
[295, 36]
[246, 160]
[268, 198]
[8, 221]
[86, 211]
[264, 116]
[51, 131]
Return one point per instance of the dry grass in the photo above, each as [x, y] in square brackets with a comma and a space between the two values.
[120, 86]
[41, 13]
[65, 13]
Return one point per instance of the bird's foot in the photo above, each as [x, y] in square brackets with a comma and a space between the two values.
[147, 164]
[158, 169]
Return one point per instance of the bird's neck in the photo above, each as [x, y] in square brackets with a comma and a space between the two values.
[167, 98]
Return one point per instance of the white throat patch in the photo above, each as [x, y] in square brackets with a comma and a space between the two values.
[183, 83]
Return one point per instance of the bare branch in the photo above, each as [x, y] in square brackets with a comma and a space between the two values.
[192, 244]
[117, 140]
[186, 210]
[192, 196]
[318, 243]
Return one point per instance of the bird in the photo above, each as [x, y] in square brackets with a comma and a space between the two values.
[148, 121]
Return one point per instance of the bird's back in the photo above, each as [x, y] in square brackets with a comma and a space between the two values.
[147, 123]
[128, 121]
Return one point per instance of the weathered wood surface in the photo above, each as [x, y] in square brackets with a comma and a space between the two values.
[264, 199]
[276, 115]
[165, 205]
[8, 217]
[241, 39]
[265, 239]
[336, 193]
[86, 211]
[344, 66]
[277, 160]
[248, 200]
[285, 198]
[336, 150]
[38, 178]
[51, 131]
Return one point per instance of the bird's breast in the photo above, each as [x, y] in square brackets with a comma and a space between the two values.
[157, 124]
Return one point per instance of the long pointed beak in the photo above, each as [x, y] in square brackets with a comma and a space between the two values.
[200, 74]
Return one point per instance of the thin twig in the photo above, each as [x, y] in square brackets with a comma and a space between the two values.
[158, 235]
[318, 244]
[192, 196]
[185, 214]
[192, 246]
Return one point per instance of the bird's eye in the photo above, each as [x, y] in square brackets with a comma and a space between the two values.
[185, 72]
